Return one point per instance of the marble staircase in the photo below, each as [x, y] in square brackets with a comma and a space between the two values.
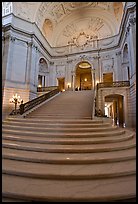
[58, 154]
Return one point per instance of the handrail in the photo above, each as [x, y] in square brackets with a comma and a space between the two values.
[113, 84]
[30, 104]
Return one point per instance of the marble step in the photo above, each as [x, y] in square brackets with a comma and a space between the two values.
[34, 133]
[60, 129]
[35, 189]
[69, 158]
[55, 124]
[68, 140]
[86, 148]
[59, 116]
[62, 121]
[7, 200]
[78, 171]
[55, 113]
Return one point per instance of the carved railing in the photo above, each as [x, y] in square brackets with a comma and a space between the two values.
[31, 104]
[113, 84]
[45, 89]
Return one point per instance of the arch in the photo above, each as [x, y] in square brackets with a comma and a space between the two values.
[83, 76]
[43, 72]
[114, 108]
[125, 62]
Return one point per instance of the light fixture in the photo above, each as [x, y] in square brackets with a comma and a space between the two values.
[69, 85]
[84, 65]
[16, 99]
[85, 79]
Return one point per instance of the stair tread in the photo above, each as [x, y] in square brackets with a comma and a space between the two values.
[55, 124]
[59, 153]
[97, 120]
[63, 134]
[81, 140]
[15, 154]
[68, 147]
[60, 127]
[71, 190]
[68, 171]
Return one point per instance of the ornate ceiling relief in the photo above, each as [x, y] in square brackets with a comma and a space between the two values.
[83, 32]
[47, 29]
[43, 13]
[75, 23]
[118, 10]
[26, 10]
[57, 11]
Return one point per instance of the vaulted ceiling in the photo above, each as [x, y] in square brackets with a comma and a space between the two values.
[63, 23]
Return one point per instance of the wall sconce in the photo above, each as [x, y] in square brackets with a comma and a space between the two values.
[85, 79]
[39, 85]
[16, 99]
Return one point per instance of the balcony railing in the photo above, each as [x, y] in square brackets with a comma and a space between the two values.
[113, 84]
[45, 89]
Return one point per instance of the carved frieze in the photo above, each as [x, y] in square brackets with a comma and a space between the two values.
[51, 63]
[6, 8]
[132, 20]
[60, 71]
[43, 67]
[118, 53]
[107, 65]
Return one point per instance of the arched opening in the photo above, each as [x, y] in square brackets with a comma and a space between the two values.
[43, 73]
[125, 64]
[114, 108]
[83, 76]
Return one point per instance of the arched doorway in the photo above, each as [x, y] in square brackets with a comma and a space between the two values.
[43, 73]
[83, 79]
[114, 108]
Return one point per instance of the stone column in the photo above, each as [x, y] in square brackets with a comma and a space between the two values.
[10, 51]
[132, 31]
[118, 73]
[73, 82]
[69, 75]
[28, 62]
[43, 81]
[52, 75]
[131, 35]
[96, 68]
